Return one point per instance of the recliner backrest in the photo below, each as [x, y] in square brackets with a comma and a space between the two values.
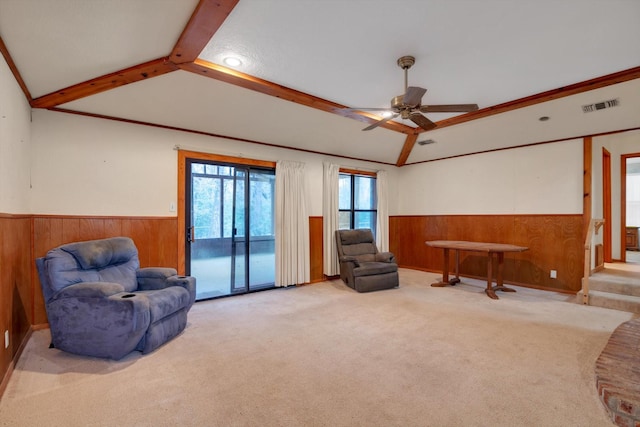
[107, 260]
[359, 243]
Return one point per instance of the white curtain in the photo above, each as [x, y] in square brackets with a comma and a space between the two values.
[292, 225]
[382, 220]
[330, 219]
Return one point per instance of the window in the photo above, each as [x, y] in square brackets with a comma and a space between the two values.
[357, 201]
[211, 185]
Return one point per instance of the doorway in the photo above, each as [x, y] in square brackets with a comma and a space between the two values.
[606, 199]
[630, 207]
[230, 227]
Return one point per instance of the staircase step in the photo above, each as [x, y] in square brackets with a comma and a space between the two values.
[619, 282]
[617, 287]
[611, 300]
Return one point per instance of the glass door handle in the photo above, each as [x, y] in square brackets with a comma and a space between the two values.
[191, 234]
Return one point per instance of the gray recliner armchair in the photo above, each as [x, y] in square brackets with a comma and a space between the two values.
[362, 266]
[100, 303]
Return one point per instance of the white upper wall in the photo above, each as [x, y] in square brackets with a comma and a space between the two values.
[539, 179]
[86, 166]
[89, 166]
[15, 140]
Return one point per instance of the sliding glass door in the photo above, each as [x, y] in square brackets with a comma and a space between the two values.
[230, 224]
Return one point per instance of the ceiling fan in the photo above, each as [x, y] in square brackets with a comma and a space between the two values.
[409, 106]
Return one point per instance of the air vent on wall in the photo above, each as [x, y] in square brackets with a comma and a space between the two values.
[600, 105]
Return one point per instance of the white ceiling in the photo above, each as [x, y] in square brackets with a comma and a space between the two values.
[58, 43]
[467, 51]
[485, 52]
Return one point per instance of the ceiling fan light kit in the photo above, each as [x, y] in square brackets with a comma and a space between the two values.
[409, 105]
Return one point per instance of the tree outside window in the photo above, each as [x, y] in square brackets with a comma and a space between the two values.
[213, 193]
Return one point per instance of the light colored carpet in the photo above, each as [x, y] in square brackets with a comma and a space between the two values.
[324, 355]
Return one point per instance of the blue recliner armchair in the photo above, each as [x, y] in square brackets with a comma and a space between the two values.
[100, 302]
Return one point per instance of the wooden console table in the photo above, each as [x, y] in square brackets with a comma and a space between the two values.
[489, 248]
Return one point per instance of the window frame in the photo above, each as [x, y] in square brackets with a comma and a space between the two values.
[352, 210]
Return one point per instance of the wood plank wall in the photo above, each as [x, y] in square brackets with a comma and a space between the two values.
[554, 243]
[155, 238]
[316, 244]
[16, 294]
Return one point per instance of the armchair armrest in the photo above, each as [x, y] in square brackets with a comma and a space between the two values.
[151, 278]
[187, 282]
[89, 289]
[349, 258]
[385, 257]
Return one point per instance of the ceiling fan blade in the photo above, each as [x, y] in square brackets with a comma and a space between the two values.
[379, 122]
[449, 108]
[413, 96]
[421, 121]
[365, 109]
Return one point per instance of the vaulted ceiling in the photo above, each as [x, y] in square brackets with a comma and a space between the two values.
[161, 62]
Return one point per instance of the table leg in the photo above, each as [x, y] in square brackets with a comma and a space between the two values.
[456, 279]
[499, 284]
[490, 291]
[445, 271]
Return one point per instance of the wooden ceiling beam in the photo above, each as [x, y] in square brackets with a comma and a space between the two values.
[406, 149]
[228, 75]
[206, 19]
[137, 73]
[14, 70]
[550, 95]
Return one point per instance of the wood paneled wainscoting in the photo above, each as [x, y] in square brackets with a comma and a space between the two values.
[155, 238]
[554, 242]
[316, 245]
[16, 294]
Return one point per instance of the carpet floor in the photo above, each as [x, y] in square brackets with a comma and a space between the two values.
[324, 355]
